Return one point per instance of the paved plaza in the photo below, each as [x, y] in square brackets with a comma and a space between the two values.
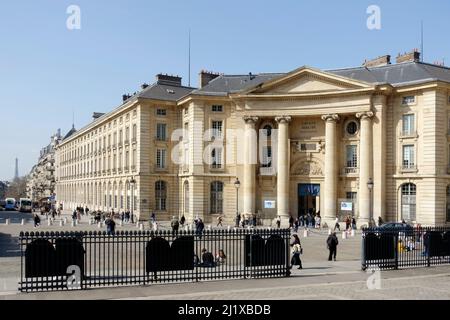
[320, 279]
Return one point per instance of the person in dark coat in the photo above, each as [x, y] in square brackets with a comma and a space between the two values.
[380, 221]
[175, 224]
[291, 222]
[296, 252]
[332, 243]
[238, 220]
[182, 220]
[110, 226]
[199, 228]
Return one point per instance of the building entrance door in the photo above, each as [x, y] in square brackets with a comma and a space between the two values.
[308, 195]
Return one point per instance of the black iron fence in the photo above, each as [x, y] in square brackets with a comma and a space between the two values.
[80, 260]
[405, 248]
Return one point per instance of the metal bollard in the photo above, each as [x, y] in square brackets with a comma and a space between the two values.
[141, 227]
[99, 225]
[23, 222]
[65, 220]
[229, 228]
[49, 222]
[121, 223]
[344, 235]
[329, 232]
[61, 223]
[74, 223]
[306, 233]
[7, 222]
[353, 233]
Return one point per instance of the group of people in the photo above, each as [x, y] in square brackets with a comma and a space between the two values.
[209, 260]
[350, 223]
[243, 220]
[307, 221]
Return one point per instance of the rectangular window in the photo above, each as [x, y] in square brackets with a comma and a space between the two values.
[161, 131]
[127, 160]
[217, 108]
[134, 159]
[134, 132]
[351, 195]
[161, 112]
[408, 100]
[161, 158]
[216, 158]
[267, 157]
[217, 129]
[408, 124]
[408, 157]
[352, 156]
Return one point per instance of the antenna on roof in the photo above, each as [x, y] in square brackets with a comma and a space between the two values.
[421, 39]
[189, 57]
[73, 118]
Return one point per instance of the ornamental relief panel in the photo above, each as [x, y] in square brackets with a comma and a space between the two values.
[308, 167]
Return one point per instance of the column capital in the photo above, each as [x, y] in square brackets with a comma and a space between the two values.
[250, 119]
[283, 119]
[331, 117]
[364, 115]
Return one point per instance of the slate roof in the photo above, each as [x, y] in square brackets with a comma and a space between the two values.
[397, 74]
[70, 133]
[225, 84]
[164, 92]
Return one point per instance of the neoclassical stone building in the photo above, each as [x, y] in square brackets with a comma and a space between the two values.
[368, 141]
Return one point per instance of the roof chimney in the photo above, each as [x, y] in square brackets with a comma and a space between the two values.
[164, 79]
[378, 62]
[413, 56]
[206, 77]
[144, 86]
[125, 97]
[96, 115]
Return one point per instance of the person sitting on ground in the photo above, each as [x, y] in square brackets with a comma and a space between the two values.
[207, 259]
[221, 258]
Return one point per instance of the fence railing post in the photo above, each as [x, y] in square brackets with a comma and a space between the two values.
[396, 250]
[363, 251]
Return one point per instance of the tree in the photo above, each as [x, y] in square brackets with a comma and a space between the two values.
[17, 188]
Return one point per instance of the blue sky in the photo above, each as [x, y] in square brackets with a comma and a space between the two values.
[48, 71]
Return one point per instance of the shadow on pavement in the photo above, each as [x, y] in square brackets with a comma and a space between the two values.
[9, 246]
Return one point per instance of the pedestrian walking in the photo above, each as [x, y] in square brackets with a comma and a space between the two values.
[237, 220]
[296, 252]
[255, 220]
[110, 225]
[347, 223]
[302, 220]
[380, 221]
[279, 222]
[175, 224]
[336, 224]
[291, 222]
[332, 243]
[153, 217]
[219, 221]
[37, 220]
[296, 225]
[182, 220]
[318, 222]
[353, 223]
[199, 228]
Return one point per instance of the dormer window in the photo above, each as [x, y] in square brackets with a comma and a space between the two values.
[217, 108]
[161, 112]
[408, 100]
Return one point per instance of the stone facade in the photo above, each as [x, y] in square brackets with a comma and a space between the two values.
[305, 141]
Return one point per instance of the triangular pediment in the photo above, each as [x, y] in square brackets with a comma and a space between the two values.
[307, 80]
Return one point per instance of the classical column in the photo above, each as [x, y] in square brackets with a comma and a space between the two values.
[250, 159]
[331, 170]
[365, 167]
[283, 169]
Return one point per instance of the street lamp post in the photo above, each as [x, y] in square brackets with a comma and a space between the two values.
[237, 185]
[370, 186]
[132, 182]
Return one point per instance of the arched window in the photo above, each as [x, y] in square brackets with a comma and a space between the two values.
[217, 197]
[409, 202]
[186, 197]
[160, 195]
[448, 205]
